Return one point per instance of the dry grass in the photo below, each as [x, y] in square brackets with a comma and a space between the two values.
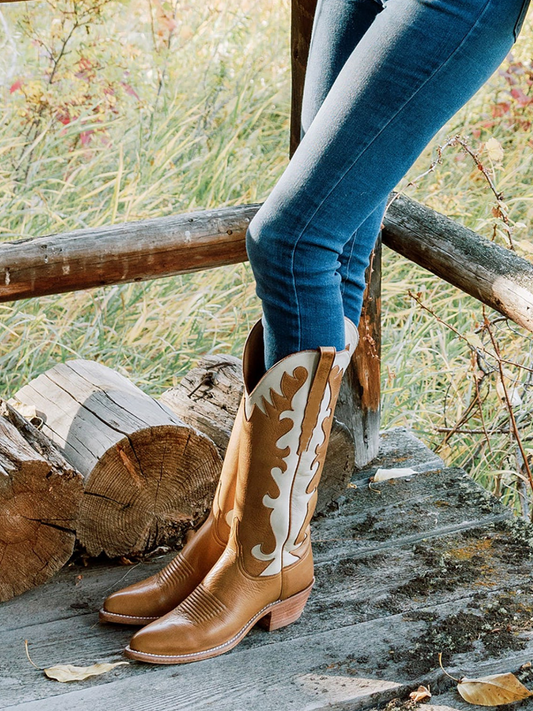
[208, 125]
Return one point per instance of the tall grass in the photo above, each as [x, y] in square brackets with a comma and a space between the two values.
[159, 108]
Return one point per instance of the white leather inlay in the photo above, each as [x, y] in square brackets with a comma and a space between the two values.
[306, 470]
[271, 380]
[279, 516]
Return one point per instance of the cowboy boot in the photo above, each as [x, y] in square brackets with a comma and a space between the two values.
[149, 599]
[266, 571]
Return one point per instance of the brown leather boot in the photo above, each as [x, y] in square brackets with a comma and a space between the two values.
[149, 599]
[266, 571]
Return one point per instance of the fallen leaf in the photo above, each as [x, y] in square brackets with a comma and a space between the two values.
[27, 411]
[68, 672]
[493, 690]
[420, 694]
[396, 473]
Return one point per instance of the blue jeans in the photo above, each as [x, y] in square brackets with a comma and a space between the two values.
[383, 76]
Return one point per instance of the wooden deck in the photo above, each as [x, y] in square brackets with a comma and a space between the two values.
[405, 569]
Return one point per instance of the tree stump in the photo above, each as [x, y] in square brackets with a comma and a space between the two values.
[148, 476]
[208, 398]
[40, 494]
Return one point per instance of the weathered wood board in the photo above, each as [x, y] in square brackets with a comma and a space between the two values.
[405, 569]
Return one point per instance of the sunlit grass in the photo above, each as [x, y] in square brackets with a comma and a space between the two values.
[215, 132]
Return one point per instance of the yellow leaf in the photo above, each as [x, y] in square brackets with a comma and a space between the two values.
[68, 672]
[494, 150]
[420, 694]
[395, 473]
[493, 690]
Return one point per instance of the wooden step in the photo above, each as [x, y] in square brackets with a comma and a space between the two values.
[404, 569]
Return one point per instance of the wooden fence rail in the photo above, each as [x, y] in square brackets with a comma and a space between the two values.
[166, 246]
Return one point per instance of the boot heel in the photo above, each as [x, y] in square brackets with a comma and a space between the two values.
[286, 612]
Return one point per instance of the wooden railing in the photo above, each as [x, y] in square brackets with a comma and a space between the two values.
[150, 249]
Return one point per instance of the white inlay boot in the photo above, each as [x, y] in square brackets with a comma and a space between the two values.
[265, 574]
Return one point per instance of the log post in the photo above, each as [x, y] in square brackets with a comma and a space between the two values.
[302, 14]
[149, 477]
[208, 398]
[40, 495]
[359, 403]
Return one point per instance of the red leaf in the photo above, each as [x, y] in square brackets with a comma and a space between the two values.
[521, 98]
[63, 117]
[85, 137]
[15, 86]
[130, 90]
[501, 108]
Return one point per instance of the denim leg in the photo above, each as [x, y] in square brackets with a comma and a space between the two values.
[418, 62]
[338, 26]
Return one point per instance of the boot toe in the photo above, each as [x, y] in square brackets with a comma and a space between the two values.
[163, 639]
[138, 602]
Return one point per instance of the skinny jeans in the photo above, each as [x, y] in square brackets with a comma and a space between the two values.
[383, 76]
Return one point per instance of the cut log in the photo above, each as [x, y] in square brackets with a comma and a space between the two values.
[208, 398]
[40, 494]
[148, 476]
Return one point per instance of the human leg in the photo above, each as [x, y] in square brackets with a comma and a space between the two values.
[414, 67]
[337, 28]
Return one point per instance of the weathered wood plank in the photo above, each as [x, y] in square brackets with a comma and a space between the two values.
[365, 568]
[351, 667]
[370, 632]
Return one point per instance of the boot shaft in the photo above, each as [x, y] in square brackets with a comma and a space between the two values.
[288, 413]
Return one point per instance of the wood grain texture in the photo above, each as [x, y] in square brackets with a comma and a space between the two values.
[40, 495]
[302, 15]
[208, 397]
[359, 403]
[383, 605]
[148, 476]
[132, 251]
[495, 275]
